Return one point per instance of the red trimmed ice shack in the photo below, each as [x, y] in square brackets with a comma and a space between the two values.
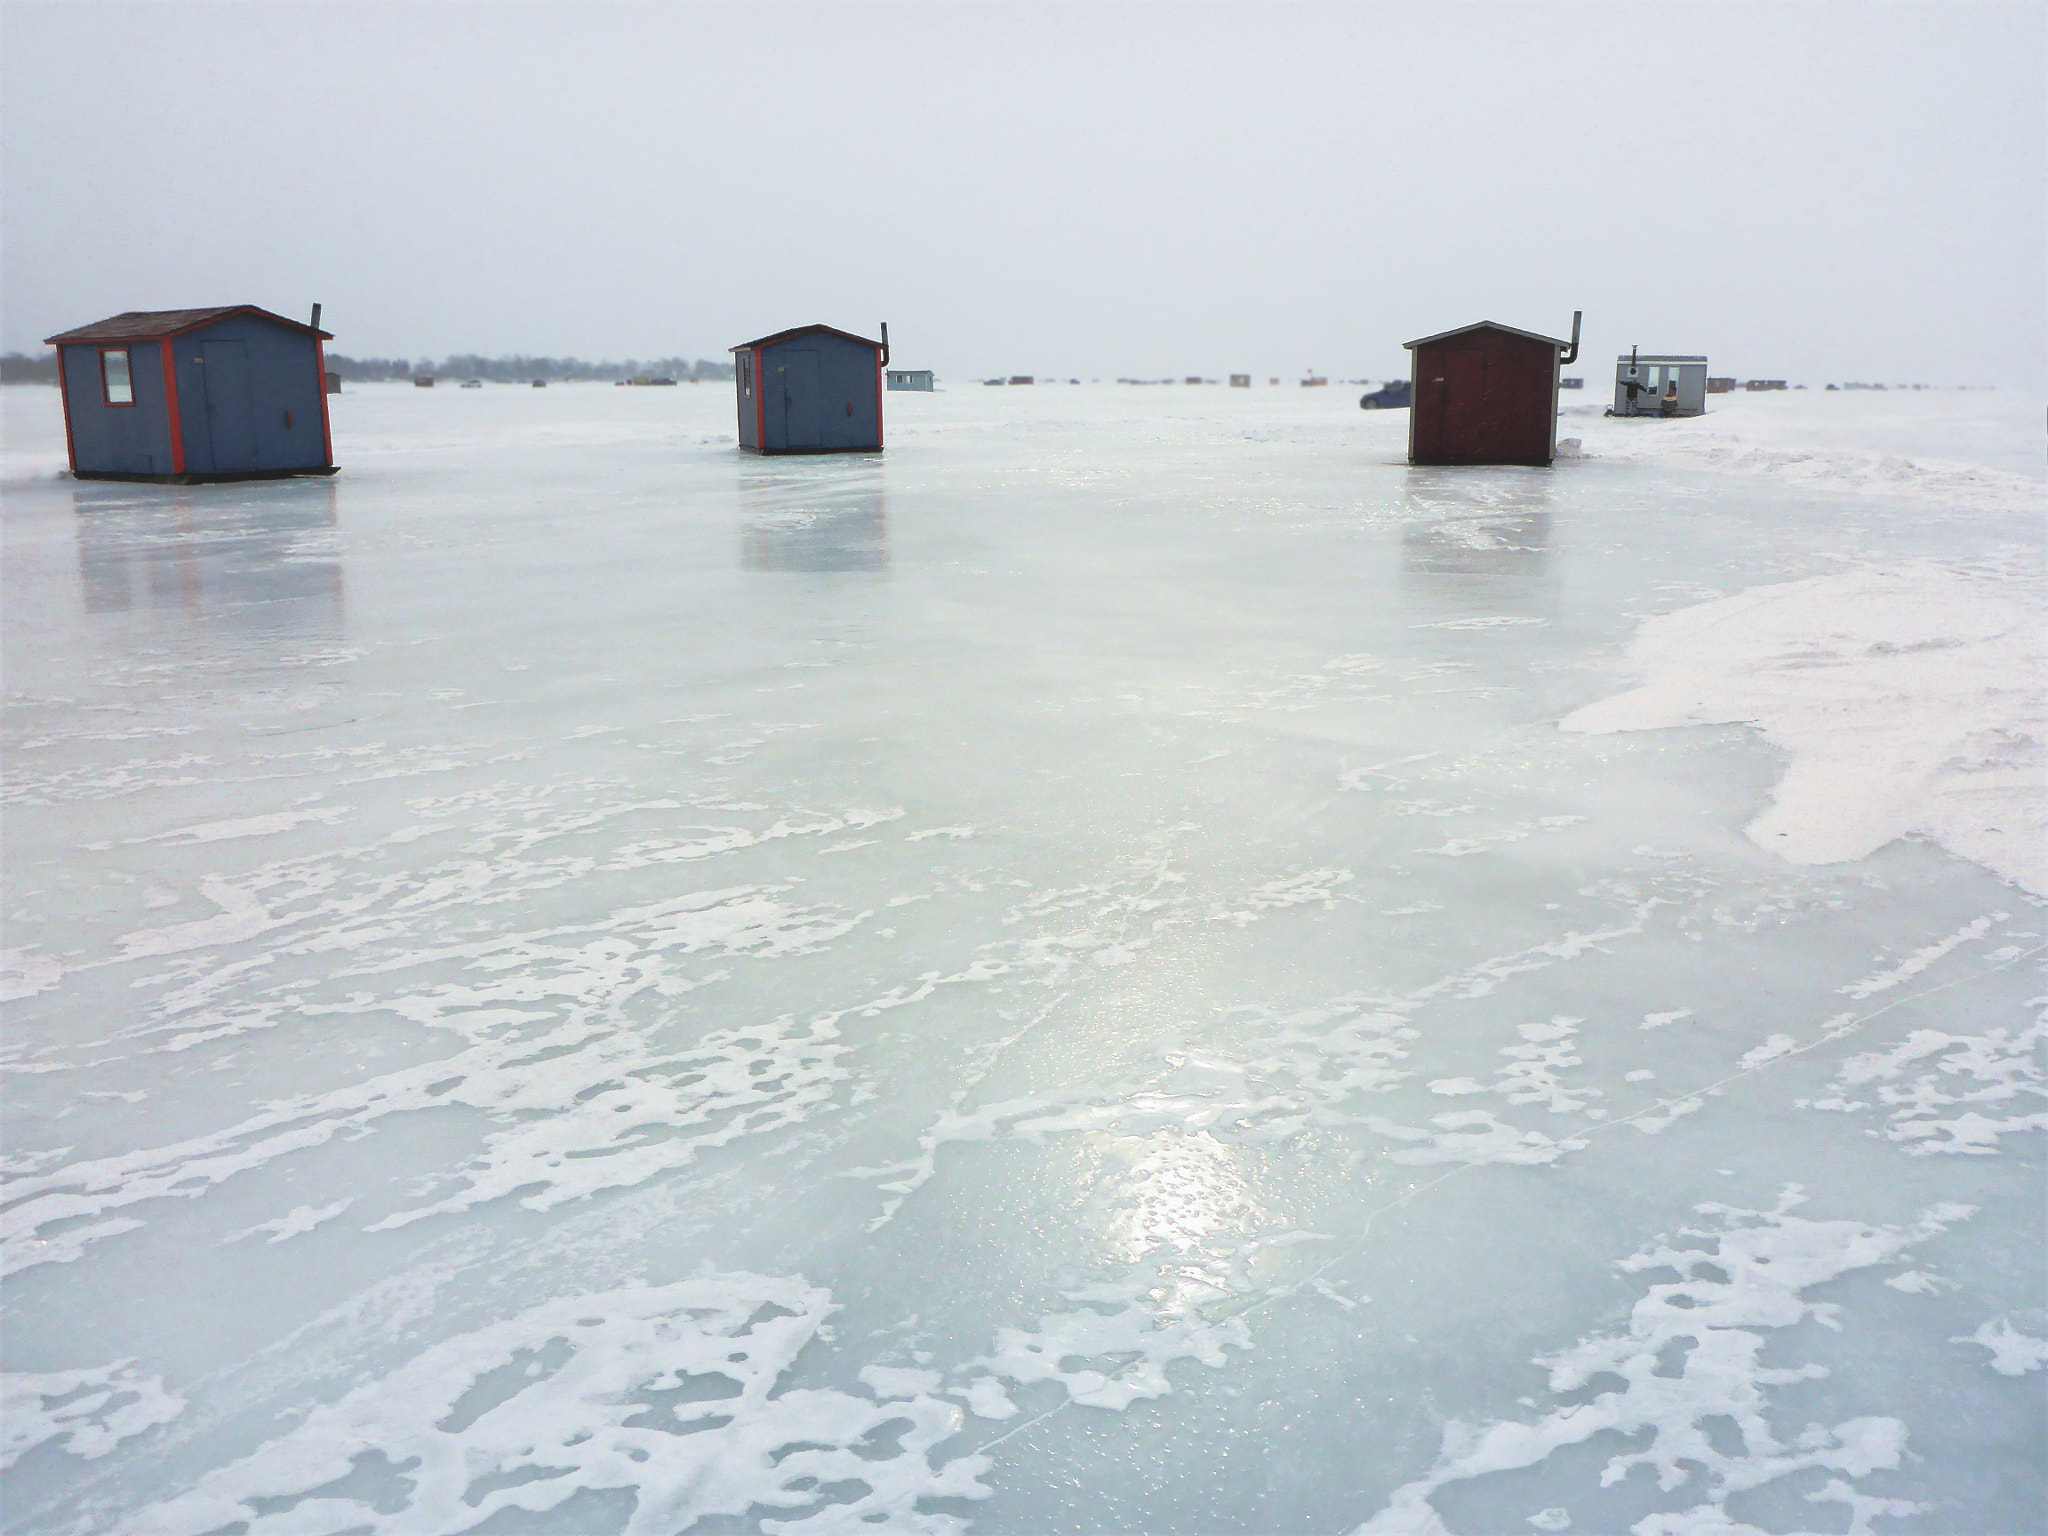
[810, 390]
[188, 395]
[1486, 394]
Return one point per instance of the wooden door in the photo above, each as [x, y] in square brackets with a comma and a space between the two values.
[801, 406]
[230, 405]
[1469, 410]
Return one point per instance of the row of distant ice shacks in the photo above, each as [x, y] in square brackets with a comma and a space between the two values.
[1483, 394]
[240, 393]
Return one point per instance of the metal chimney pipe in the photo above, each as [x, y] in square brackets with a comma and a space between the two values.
[1573, 355]
[885, 343]
[316, 317]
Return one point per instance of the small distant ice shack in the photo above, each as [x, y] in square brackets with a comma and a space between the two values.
[185, 396]
[1486, 394]
[1659, 386]
[811, 390]
[910, 378]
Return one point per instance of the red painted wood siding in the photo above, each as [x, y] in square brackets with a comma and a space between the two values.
[1484, 397]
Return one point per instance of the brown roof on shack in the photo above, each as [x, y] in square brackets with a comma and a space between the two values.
[1486, 325]
[805, 330]
[154, 324]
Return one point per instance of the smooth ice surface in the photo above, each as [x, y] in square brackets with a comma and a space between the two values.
[1065, 978]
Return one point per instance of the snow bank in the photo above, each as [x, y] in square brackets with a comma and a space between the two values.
[1909, 698]
[1929, 448]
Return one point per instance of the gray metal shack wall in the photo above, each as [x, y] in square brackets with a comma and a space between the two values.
[237, 381]
[821, 394]
[117, 439]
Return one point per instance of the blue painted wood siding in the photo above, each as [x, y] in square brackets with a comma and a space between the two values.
[820, 394]
[118, 439]
[249, 397]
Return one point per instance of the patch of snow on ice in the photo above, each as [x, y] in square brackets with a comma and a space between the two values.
[592, 1106]
[620, 1114]
[1970, 1073]
[2012, 1353]
[1471, 1136]
[86, 1413]
[1531, 1074]
[1115, 1348]
[303, 1218]
[24, 973]
[667, 1393]
[1746, 1282]
[1310, 887]
[1920, 959]
[1651, 1124]
[1770, 1050]
[899, 1380]
[1494, 621]
[246, 826]
[1910, 700]
[241, 917]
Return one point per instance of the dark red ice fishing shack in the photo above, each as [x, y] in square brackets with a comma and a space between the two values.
[1486, 394]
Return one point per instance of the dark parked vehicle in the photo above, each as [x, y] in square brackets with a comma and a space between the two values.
[1392, 396]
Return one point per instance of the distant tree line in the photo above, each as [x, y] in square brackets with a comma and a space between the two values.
[15, 368]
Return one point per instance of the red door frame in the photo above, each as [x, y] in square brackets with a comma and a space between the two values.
[326, 432]
[64, 393]
[171, 407]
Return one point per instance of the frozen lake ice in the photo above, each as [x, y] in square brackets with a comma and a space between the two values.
[1131, 964]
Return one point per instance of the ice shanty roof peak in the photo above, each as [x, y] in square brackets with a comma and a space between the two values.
[805, 330]
[154, 324]
[1487, 325]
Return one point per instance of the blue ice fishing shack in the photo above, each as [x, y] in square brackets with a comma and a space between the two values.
[810, 390]
[191, 395]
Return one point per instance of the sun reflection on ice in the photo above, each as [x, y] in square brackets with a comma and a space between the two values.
[1180, 1190]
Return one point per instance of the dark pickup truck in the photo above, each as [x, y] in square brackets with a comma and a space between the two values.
[1392, 396]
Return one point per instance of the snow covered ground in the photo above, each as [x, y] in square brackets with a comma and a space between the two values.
[1133, 964]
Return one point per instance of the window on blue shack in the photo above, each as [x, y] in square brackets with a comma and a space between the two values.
[116, 387]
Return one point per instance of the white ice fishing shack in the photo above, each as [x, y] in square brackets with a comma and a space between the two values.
[1659, 386]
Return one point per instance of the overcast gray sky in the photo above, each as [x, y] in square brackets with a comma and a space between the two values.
[1814, 191]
